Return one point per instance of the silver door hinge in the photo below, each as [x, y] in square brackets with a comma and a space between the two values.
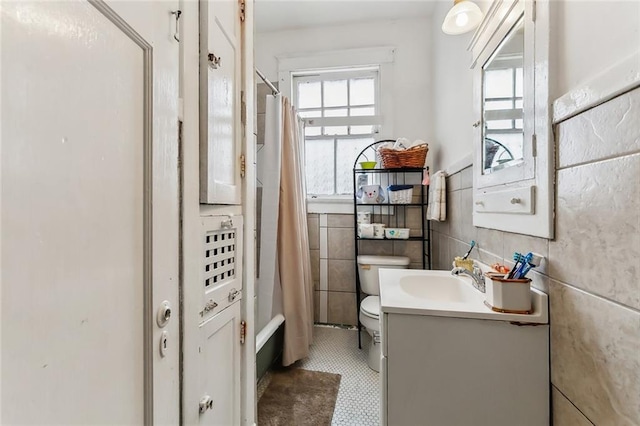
[534, 145]
[243, 331]
[243, 166]
[243, 7]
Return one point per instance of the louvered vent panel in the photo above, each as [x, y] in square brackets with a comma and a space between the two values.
[220, 257]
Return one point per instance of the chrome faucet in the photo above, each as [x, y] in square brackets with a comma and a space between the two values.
[477, 278]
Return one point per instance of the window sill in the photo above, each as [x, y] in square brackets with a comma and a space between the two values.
[330, 205]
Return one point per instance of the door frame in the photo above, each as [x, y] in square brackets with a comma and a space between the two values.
[192, 210]
[249, 405]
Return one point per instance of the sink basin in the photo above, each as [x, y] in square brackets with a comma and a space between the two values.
[439, 288]
[438, 293]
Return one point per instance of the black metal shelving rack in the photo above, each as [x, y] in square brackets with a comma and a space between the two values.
[391, 214]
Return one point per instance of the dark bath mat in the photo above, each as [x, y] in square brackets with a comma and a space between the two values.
[297, 397]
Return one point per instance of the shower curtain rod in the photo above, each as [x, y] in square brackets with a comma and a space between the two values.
[267, 82]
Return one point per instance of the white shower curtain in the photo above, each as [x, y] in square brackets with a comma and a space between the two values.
[268, 288]
[293, 245]
[285, 284]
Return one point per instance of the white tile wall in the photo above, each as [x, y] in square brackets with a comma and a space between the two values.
[591, 270]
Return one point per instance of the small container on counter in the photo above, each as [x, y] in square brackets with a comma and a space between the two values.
[508, 295]
[459, 262]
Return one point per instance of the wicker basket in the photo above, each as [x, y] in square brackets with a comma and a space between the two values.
[409, 158]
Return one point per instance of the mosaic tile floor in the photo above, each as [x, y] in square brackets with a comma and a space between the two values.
[335, 350]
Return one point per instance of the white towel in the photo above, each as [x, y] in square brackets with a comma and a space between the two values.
[437, 209]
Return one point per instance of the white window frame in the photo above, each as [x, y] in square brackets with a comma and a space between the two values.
[382, 57]
[348, 121]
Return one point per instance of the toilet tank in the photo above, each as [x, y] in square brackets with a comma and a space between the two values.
[368, 270]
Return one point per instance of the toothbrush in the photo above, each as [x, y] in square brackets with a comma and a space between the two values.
[473, 244]
[525, 261]
[518, 258]
[535, 261]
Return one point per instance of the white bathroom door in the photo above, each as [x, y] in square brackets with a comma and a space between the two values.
[89, 213]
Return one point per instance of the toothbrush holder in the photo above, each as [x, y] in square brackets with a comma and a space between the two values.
[508, 295]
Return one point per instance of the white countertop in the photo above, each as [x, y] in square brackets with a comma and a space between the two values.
[464, 301]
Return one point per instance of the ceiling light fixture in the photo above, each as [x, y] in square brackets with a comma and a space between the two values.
[463, 17]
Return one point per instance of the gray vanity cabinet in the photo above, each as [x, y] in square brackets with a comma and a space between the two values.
[446, 371]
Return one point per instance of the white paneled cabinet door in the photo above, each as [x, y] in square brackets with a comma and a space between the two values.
[220, 375]
[89, 218]
[220, 329]
[220, 101]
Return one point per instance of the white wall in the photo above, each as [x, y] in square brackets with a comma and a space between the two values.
[589, 37]
[452, 93]
[412, 85]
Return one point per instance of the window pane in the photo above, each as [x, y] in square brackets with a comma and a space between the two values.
[312, 131]
[494, 105]
[519, 124]
[362, 91]
[499, 124]
[361, 130]
[319, 157]
[317, 113]
[363, 112]
[342, 112]
[335, 130]
[519, 85]
[335, 93]
[309, 95]
[498, 83]
[348, 149]
[519, 103]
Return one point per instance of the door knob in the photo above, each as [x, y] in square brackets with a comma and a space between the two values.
[206, 403]
[164, 314]
[214, 61]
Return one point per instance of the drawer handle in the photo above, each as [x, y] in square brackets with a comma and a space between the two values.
[210, 306]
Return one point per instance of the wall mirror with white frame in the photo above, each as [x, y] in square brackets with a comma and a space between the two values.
[513, 147]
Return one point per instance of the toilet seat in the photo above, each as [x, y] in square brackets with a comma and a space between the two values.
[370, 314]
[370, 307]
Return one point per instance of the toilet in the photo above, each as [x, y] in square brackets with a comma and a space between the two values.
[368, 267]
